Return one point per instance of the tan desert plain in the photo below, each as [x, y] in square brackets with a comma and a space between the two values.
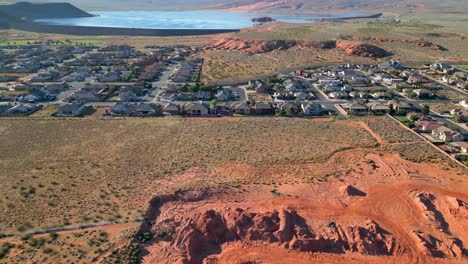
[241, 189]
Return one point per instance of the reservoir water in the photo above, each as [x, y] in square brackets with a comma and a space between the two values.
[181, 19]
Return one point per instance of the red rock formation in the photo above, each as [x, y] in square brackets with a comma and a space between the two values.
[418, 42]
[360, 49]
[202, 233]
[263, 46]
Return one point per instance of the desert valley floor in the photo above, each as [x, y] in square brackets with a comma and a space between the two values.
[228, 190]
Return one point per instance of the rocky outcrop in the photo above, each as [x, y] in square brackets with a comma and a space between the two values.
[458, 208]
[361, 49]
[255, 46]
[419, 42]
[437, 248]
[263, 46]
[350, 190]
[262, 19]
[203, 233]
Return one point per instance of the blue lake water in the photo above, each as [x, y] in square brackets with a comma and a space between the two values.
[180, 19]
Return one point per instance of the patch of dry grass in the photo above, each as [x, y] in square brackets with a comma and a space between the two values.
[390, 130]
[64, 171]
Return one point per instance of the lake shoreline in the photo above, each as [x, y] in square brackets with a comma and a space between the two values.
[188, 19]
[113, 31]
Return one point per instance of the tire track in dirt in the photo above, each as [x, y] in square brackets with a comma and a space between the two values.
[379, 140]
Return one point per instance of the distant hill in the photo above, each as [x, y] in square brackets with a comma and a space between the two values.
[267, 6]
[26, 11]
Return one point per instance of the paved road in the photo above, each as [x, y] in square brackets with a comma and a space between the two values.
[163, 82]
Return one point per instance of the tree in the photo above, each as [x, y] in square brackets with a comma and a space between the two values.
[297, 102]
[457, 118]
[213, 103]
[253, 102]
[426, 109]
[392, 108]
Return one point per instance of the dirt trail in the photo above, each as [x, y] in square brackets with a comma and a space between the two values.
[380, 140]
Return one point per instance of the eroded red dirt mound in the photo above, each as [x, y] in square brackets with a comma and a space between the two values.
[458, 208]
[360, 49]
[263, 46]
[437, 248]
[419, 42]
[202, 234]
[444, 244]
[256, 46]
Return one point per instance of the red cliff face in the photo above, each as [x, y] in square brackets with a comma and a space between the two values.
[206, 230]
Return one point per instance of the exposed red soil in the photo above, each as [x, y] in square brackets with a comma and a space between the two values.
[387, 216]
[418, 42]
[264, 46]
[361, 49]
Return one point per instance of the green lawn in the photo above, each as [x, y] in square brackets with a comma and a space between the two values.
[402, 119]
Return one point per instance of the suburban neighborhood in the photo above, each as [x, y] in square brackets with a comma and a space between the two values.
[120, 81]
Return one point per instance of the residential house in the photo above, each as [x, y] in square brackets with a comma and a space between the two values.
[259, 86]
[8, 78]
[338, 95]
[202, 96]
[382, 76]
[4, 107]
[83, 96]
[354, 108]
[414, 79]
[464, 103]
[293, 85]
[121, 109]
[427, 126]
[23, 109]
[75, 77]
[128, 96]
[358, 95]
[301, 96]
[449, 80]
[462, 115]
[380, 95]
[171, 109]
[74, 109]
[401, 106]
[196, 109]
[393, 81]
[287, 107]
[389, 65]
[378, 108]
[146, 109]
[111, 77]
[329, 88]
[463, 146]
[241, 108]
[423, 93]
[445, 68]
[416, 116]
[263, 108]
[313, 109]
[446, 134]
[225, 95]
